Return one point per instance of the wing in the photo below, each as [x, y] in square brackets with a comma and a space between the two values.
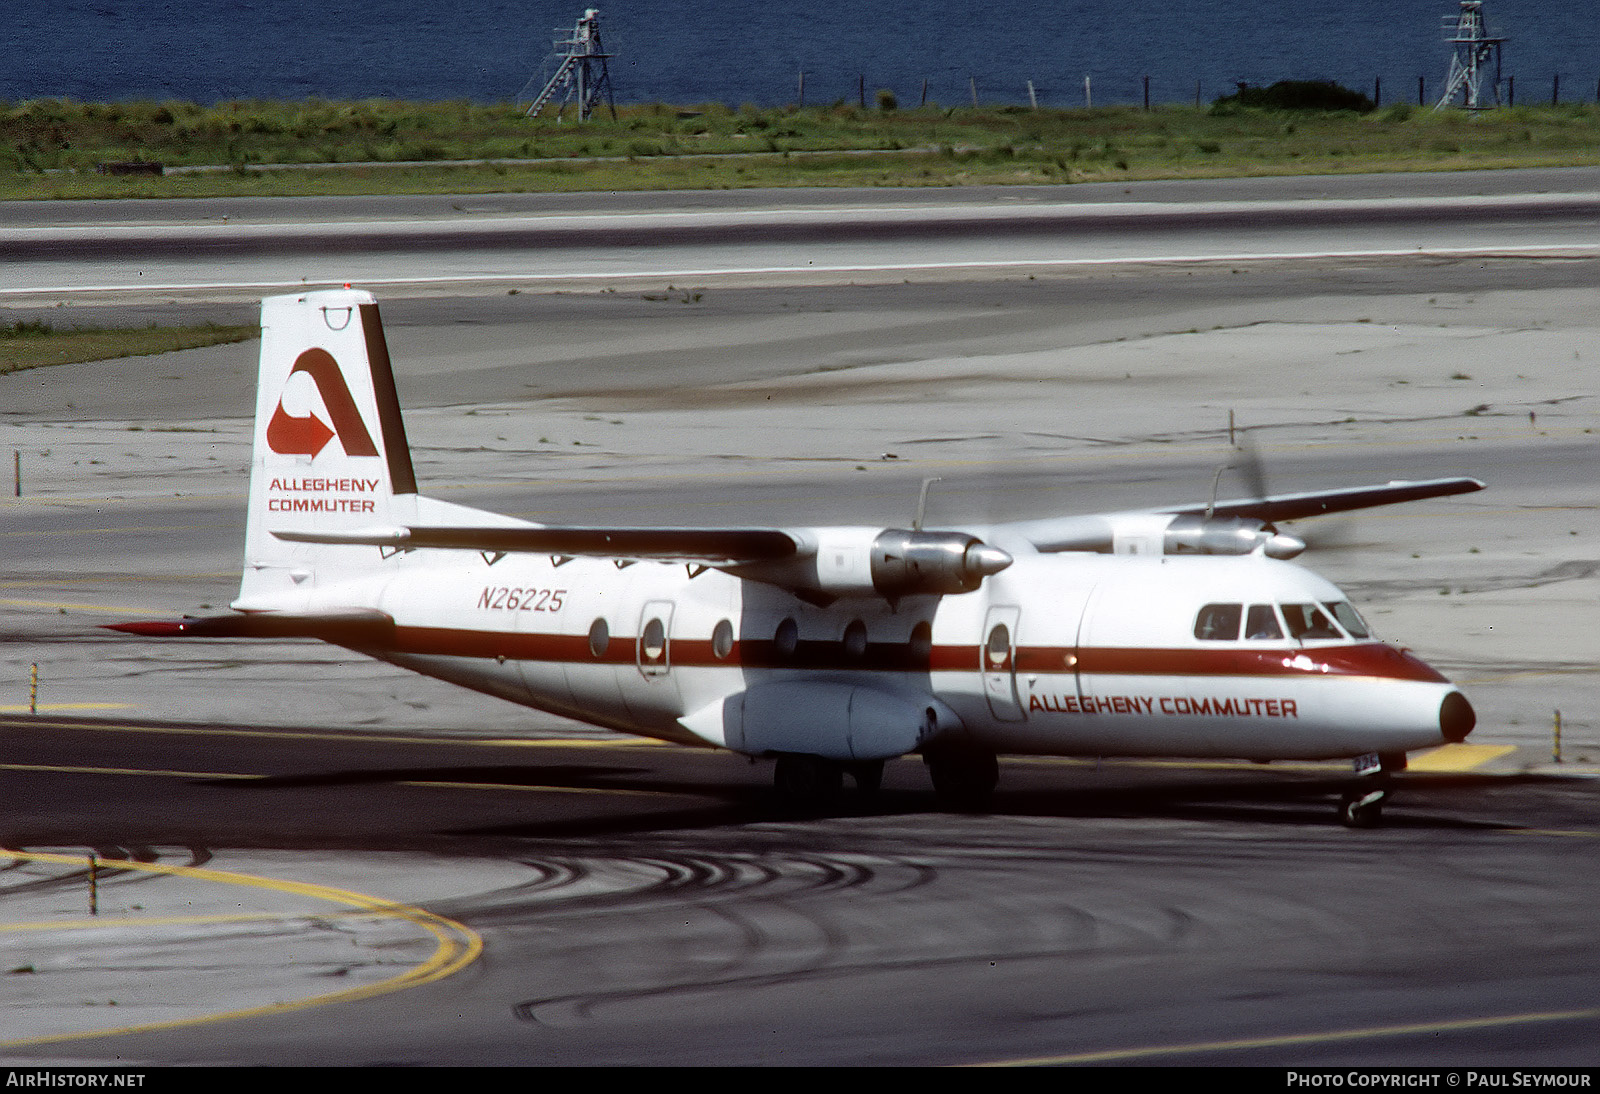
[1238, 526]
[816, 563]
[707, 546]
[1316, 503]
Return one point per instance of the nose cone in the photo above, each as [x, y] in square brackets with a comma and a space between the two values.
[1456, 717]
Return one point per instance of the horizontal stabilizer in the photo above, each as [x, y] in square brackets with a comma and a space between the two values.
[355, 627]
[713, 546]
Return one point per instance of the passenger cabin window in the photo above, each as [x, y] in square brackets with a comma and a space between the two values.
[1262, 623]
[998, 650]
[1218, 622]
[1309, 621]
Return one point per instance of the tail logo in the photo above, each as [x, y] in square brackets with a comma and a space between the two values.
[289, 435]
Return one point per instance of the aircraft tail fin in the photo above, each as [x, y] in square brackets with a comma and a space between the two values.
[330, 451]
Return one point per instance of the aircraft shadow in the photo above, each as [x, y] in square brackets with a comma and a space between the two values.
[1291, 802]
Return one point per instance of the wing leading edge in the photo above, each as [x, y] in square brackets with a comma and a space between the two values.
[710, 546]
[1316, 503]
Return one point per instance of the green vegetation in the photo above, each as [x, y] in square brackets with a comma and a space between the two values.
[29, 344]
[50, 148]
[1296, 95]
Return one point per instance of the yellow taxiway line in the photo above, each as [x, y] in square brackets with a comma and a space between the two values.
[24, 708]
[458, 945]
[1291, 1040]
[1457, 757]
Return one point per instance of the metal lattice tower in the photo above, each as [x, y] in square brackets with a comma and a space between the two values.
[581, 73]
[1476, 54]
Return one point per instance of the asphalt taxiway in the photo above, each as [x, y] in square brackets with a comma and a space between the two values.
[268, 896]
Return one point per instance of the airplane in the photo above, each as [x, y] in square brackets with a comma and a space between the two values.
[1174, 632]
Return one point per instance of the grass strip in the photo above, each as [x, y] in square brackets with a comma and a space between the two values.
[50, 148]
[31, 344]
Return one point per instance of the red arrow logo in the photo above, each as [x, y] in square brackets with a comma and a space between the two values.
[289, 435]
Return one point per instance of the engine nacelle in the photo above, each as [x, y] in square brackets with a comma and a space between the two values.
[1191, 534]
[909, 563]
[892, 562]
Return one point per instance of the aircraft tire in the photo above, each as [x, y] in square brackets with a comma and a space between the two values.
[807, 781]
[963, 778]
[868, 777]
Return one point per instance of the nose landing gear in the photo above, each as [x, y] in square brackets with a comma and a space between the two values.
[1361, 806]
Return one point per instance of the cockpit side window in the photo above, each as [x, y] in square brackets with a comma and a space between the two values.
[1309, 621]
[1262, 622]
[1218, 622]
[1349, 618]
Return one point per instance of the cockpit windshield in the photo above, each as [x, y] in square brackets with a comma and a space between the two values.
[1331, 620]
[1218, 622]
[1308, 621]
[1349, 618]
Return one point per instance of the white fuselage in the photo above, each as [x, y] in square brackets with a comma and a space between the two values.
[1067, 654]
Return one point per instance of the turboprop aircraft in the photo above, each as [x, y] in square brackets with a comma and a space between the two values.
[1176, 632]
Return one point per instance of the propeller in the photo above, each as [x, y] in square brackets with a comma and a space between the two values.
[1248, 461]
[1321, 535]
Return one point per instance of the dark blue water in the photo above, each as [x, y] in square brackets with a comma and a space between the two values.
[737, 52]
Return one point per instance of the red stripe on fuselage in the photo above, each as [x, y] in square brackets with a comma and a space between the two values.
[1373, 659]
[1367, 659]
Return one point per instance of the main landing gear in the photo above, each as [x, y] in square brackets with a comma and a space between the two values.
[963, 777]
[1361, 805]
[812, 782]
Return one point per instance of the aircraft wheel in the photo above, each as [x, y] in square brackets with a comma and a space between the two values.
[963, 778]
[868, 776]
[1362, 808]
[808, 781]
